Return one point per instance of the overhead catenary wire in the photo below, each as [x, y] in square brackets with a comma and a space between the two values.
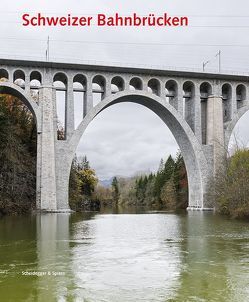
[126, 42]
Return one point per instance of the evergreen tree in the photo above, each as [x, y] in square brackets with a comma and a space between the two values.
[161, 166]
[83, 163]
[181, 182]
[168, 195]
[163, 175]
[115, 189]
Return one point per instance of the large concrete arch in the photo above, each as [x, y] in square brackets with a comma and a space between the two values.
[15, 90]
[194, 157]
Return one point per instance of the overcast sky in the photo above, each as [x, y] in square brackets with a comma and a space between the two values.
[127, 138]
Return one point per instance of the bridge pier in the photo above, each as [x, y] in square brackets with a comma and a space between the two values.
[46, 173]
[215, 131]
[63, 169]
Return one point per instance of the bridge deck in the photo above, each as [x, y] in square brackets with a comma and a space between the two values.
[121, 69]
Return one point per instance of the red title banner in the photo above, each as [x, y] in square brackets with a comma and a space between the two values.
[164, 20]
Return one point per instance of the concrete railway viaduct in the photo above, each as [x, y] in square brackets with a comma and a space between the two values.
[200, 109]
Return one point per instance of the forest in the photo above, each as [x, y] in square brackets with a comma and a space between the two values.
[165, 189]
[17, 157]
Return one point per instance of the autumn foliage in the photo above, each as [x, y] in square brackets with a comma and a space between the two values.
[17, 157]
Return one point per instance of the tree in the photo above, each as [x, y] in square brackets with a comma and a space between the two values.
[115, 189]
[83, 163]
[181, 182]
[161, 166]
[168, 195]
[74, 183]
[17, 156]
[163, 175]
[231, 186]
[83, 181]
[87, 181]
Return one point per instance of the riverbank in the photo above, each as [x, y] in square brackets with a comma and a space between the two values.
[232, 186]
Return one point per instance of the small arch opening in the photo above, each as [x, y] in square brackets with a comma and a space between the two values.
[19, 78]
[154, 86]
[60, 84]
[188, 89]
[79, 90]
[98, 89]
[4, 75]
[205, 92]
[171, 90]
[226, 98]
[136, 84]
[189, 102]
[35, 84]
[117, 84]
[36, 75]
[240, 95]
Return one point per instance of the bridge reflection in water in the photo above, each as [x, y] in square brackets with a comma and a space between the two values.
[124, 257]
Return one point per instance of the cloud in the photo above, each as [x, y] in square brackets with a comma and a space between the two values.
[124, 139]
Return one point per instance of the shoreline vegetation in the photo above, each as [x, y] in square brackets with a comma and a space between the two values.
[232, 186]
[167, 189]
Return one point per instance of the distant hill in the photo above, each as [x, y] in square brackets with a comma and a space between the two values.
[106, 182]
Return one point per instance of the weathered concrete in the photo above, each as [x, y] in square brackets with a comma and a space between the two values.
[215, 130]
[200, 109]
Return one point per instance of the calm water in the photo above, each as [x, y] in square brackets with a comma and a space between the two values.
[124, 257]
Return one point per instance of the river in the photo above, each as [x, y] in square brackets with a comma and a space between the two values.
[122, 257]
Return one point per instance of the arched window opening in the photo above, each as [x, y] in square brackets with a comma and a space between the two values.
[154, 86]
[117, 84]
[189, 103]
[205, 92]
[35, 84]
[79, 90]
[98, 89]
[227, 101]
[240, 95]
[19, 78]
[136, 84]
[171, 90]
[4, 75]
[60, 84]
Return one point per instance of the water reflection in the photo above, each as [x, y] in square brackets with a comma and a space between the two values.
[213, 259]
[17, 253]
[124, 257]
[54, 258]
